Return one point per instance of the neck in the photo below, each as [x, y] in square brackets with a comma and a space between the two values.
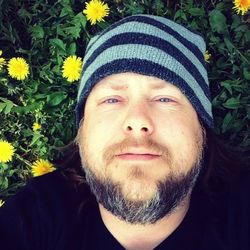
[144, 237]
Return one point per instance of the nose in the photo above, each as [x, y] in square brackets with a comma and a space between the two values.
[138, 121]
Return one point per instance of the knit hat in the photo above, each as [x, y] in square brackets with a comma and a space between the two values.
[153, 46]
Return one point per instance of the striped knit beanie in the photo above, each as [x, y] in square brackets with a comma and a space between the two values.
[153, 46]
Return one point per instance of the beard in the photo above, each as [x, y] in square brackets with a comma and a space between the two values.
[169, 194]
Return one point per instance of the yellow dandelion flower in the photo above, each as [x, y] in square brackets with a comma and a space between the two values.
[95, 11]
[71, 68]
[1, 202]
[18, 68]
[41, 167]
[207, 56]
[2, 60]
[6, 151]
[36, 126]
[241, 6]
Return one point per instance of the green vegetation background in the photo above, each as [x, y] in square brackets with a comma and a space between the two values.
[46, 32]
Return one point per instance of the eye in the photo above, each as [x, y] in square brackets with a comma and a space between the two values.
[164, 99]
[111, 100]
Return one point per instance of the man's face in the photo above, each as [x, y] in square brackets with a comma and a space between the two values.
[141, 145]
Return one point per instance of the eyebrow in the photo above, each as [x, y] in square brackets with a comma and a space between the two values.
[117, 86]
[160, 85]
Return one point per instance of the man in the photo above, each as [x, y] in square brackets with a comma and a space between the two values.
[146, 147]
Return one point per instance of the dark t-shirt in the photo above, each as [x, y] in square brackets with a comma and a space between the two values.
[50, 213]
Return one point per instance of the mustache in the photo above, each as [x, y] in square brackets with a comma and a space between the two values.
[147, 143]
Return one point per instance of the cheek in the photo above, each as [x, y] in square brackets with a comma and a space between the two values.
[178, 124]
[182, 134]
[99, 131]
[104, 128]
[190, 144]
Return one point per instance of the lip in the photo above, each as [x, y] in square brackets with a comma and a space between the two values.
[137, 156]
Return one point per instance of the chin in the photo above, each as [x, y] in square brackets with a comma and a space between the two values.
[139, 189]
[137, 184]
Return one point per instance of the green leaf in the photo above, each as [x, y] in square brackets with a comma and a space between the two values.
[56, 69]
[35, 138]
[102, 25]
[220, 6]
[2, 106]
[235, 68]
[190, 3]
[218, 22]
[236, 22]
[232, 103]
[67, 10]
[4, 182]
[73, 31]
[247, 36]
[26, 109]
[80, 19]
[214, 39]
[71, 50]
[197, 11]
[159, 7]
[180, 14]
[194, 25]
[65, 2]
[8, 108]
[58, 43]
[229, 45]
[37, 32]
[24, 13]
[246, 73]
[56, 98]
[40, 96]
[228, 86]
[226, 122]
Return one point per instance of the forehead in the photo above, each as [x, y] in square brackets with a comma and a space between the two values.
[124, 81]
